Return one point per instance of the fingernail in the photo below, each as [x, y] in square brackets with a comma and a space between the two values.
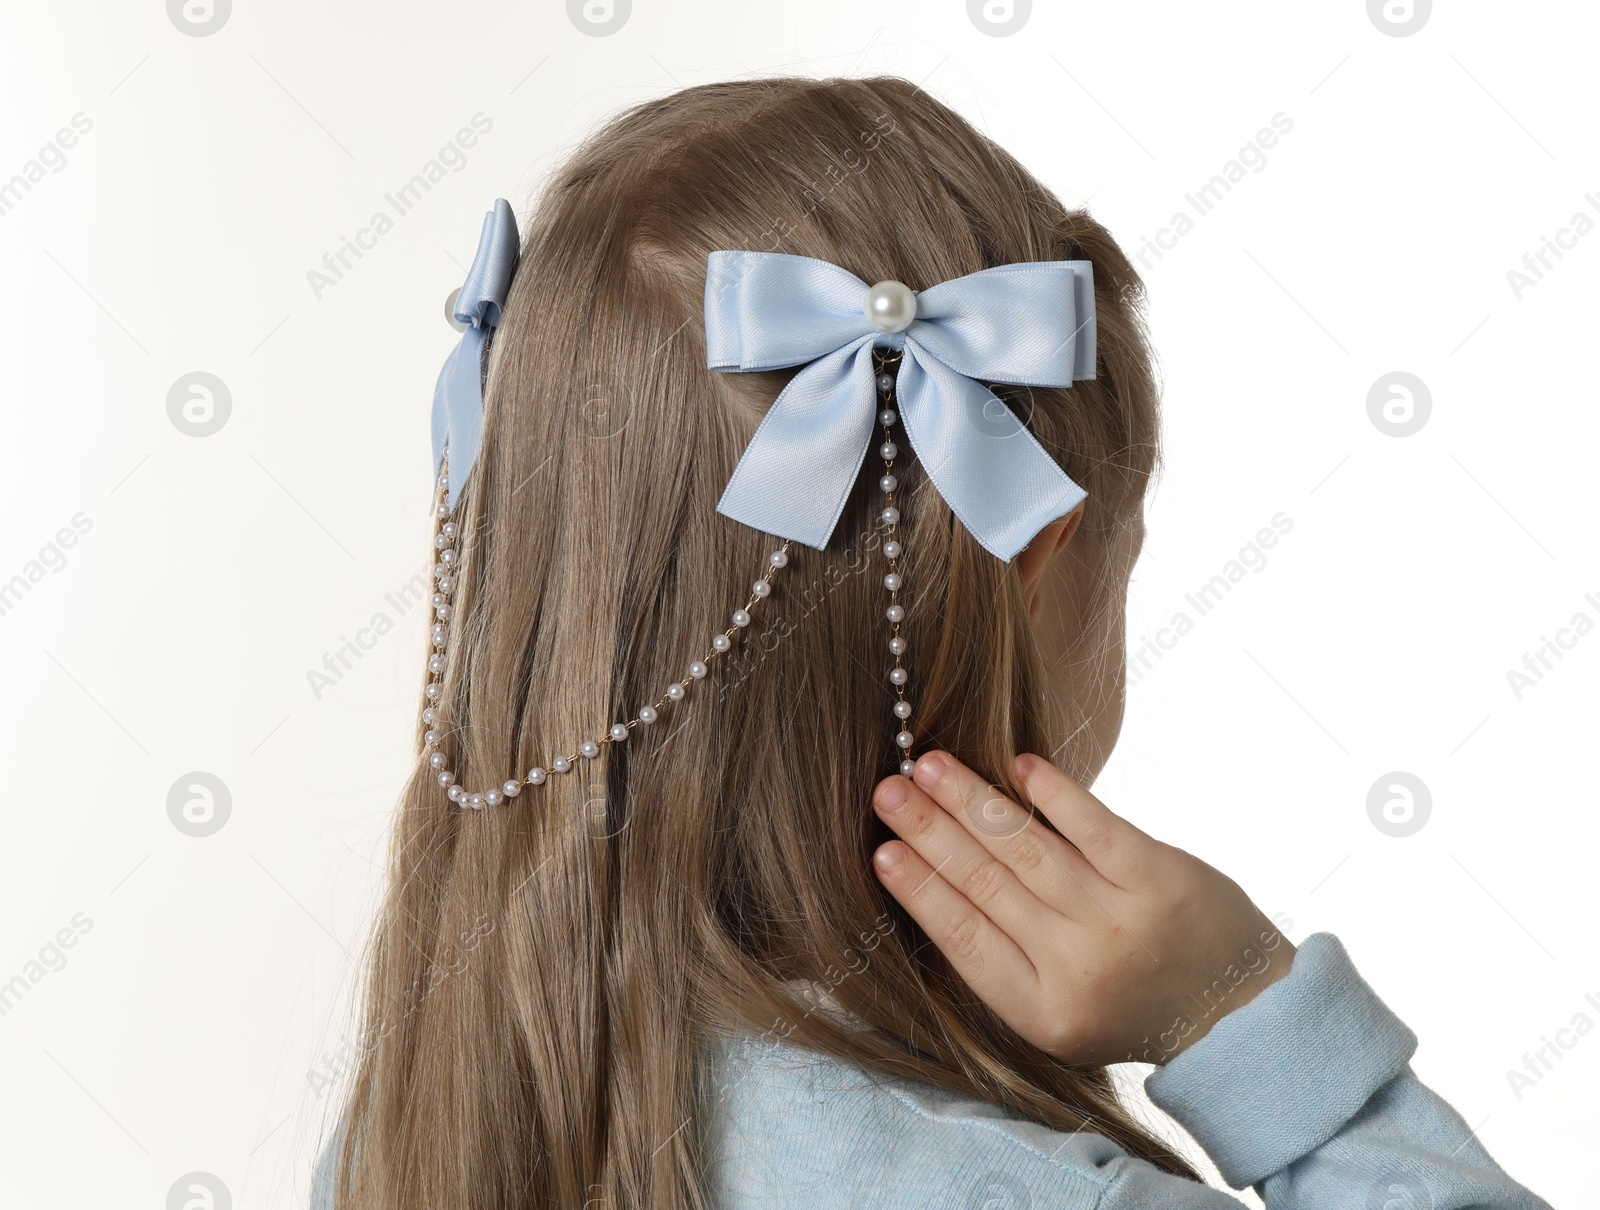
[929, 770]
[892, 793]
[888, 857]
[1023, 764]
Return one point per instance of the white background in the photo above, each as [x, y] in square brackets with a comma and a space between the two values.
[193, 1024]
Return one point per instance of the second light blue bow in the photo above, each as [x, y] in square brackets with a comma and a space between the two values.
[458, 395]
[1030, 323]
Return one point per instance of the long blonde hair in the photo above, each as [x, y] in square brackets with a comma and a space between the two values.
[543, 972]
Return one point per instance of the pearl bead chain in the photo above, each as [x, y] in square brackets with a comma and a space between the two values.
[445, 572]
[892, 580]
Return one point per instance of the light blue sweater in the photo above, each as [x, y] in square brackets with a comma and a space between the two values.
[1305, 1093]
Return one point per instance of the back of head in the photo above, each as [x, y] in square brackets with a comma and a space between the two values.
[543, 973]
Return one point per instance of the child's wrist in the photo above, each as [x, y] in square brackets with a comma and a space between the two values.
[1256, 978]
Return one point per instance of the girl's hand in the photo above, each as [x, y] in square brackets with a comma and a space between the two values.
[1110, 948]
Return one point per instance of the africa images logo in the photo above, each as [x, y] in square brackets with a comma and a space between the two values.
[599, 18]
[1399, 18]
[999, 18]
[199, 18]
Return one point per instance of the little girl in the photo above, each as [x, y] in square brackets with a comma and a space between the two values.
[791, 472]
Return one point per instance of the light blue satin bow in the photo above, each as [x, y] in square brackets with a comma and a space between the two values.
[458, 395]
[1030, 323]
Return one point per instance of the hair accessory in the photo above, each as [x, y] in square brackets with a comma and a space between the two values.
[444, 572]
[458, 395]
[457, 422]
[1029, 324]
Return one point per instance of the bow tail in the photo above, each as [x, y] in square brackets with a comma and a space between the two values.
[458, 409]
[798, 470]
[995, 476]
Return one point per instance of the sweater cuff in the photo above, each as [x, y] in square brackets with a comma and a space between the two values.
[1279, 1076]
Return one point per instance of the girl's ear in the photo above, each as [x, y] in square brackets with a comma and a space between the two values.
[1032, 560]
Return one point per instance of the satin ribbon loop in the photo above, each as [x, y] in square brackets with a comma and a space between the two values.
[458, 394]
[1025, 324]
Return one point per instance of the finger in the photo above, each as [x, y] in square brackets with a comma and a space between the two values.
[1048, 866]
[987, 960]
[980, 877]
[1113, 846]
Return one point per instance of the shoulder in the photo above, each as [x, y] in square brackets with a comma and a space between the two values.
[787, 1126]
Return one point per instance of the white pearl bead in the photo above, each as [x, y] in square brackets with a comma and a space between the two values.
[442, 510]
[433, 690]
[589, 749]
[902, 709]
[905, 739]
[887, 417]
[560, 765]
[888, 451]
[438, 633]
[895, 613]
[890, 516]
[741, 617]
[443, 611]
[888, 483]
[619, 732]
[436, 663]
[439, 569]
[892, 582]
[475, 801]
[897, 645]
[448, 558]
[906, 767]
[778, 558]
[697, 669]
[675, 691]
[891, 306]
[450, 529]
[720, 642]
[891, 550]
[536, 776]
[446, 583]
[447, 778]
[441, 542]
[493, 798]
[455, 793]
[885, 383]
[898, 676]
[511, 788]
[647, 714]
[430, 738]
[760, 589]
[430, 715]
[436, 761]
